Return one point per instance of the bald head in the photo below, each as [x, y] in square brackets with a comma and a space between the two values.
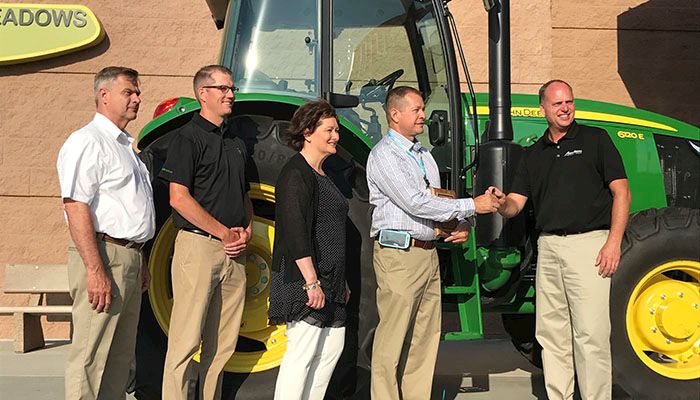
[556, 83]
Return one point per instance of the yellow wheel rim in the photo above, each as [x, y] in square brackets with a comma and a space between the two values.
[271, 339]
[663, 320]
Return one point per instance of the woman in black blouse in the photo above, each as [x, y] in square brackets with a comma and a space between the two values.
[308, 289]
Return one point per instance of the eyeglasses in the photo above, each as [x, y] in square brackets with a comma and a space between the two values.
[222, 88]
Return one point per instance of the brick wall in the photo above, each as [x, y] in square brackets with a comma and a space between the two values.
[638, 53]
[632, 52]
[44, 101]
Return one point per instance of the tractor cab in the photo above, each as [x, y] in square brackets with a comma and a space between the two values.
[352, 54]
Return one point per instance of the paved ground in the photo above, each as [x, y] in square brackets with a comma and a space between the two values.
[484, 369]
[37, 375]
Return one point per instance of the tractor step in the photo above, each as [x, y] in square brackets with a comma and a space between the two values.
[459, 290]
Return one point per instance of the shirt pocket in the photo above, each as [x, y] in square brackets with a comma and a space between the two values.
[209, 159]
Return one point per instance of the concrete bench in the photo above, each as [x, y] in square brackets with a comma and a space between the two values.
[38, 281]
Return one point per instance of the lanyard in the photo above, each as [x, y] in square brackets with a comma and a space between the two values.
[420, 163]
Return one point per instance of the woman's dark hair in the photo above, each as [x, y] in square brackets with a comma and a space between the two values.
[306, 119]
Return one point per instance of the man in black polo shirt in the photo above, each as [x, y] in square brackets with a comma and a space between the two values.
[577, 183]
[205, 169]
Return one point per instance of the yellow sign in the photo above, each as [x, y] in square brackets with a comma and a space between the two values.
[31, 32]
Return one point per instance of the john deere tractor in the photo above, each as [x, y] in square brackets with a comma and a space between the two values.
[284, 53]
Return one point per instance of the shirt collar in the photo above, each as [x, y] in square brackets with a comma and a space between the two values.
[405, 143]
[107, 126]
[570, 134]
[204, 123]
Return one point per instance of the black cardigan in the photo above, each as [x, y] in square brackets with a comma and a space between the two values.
[296, 201]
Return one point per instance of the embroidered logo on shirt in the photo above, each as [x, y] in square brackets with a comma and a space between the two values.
[573, 153]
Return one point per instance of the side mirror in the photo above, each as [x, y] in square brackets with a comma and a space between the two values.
[339, 100]
[437, 129]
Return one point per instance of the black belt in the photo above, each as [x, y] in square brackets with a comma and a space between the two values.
[200, 232]
[422, 244]
[129, 244]
[562, 232]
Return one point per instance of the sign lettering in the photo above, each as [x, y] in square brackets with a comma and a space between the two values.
[31, 32]
[630, 135]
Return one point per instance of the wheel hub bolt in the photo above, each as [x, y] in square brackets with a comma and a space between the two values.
[663, 297]
[653, 329]
[273, 341]
[695, 305]
[668, 341]
[651, 311]
[680, 294]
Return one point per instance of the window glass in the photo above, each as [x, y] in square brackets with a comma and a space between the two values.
[275, 46]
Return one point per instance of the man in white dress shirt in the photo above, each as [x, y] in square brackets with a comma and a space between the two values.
[108, 203]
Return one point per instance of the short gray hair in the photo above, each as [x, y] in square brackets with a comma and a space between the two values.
[204, 76]
[109, 74]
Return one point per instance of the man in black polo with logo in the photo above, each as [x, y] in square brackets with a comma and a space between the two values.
[205, 169]
[577, 183]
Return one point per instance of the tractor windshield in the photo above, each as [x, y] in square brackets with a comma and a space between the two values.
[381, 44]
[273, 46]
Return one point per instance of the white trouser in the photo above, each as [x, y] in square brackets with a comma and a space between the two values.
[308, 363]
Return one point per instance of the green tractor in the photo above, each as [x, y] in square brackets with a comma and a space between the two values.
[284, 53]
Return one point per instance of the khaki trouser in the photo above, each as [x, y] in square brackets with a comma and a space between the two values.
[103, 343]
[573, 320]
[407, 337]
[208, 295]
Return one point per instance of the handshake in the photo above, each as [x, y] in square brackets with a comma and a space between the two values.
[491, 201]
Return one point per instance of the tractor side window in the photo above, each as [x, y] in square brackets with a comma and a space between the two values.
[371, 53]
[381, 44]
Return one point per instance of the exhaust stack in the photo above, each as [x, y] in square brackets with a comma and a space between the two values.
[499, 156]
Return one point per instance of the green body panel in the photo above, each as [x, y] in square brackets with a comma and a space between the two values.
[357, 143]
[632, 131]
[604, 112]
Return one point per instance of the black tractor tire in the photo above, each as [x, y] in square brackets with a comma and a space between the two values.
[653, 238]
[261, 131]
